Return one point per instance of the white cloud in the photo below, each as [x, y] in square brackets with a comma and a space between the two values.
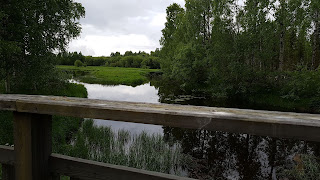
[121, 25]
[100, 45]
[158, 20]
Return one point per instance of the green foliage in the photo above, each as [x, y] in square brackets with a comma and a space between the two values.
[63, 130]
[69, 58]
[231, 52]
[95, 61]
[307, 167]
[300, 84]
[109, 75]
[58, 87]
[30, 32]
[6, 128]
[141, 151]
[78, 63]
[134, 61]
[129, 59]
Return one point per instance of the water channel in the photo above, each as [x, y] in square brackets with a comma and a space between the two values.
[218, 155]
[143, 93]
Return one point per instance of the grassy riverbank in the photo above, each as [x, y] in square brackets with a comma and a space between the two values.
[109, 75]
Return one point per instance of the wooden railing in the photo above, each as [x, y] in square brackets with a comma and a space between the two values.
[32, 159]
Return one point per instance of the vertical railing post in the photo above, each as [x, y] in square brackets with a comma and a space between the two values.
[32, 146]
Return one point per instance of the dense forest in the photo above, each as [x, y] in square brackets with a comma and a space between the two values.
[234, 49]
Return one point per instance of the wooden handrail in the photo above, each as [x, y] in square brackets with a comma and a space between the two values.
[32, 123]
[256, 122]
[89, 170]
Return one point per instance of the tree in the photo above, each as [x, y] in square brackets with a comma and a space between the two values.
[315, 18]
[116, 54]
[30, 31]
[282, 21]
[78, 63]
[170, 36]
[128, 53]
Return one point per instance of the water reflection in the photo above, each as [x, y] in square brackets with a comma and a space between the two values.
[222, 155]
[144, 93]
[213, 154]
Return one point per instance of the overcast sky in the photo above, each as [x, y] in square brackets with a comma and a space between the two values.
[121, 25]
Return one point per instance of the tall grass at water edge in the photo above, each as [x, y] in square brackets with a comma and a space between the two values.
[143, 151]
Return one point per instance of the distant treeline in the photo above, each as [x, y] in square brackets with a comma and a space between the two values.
[129, 59]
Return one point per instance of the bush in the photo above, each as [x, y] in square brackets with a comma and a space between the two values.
[78, 63]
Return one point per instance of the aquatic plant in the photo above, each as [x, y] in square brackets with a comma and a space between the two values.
[143, 151]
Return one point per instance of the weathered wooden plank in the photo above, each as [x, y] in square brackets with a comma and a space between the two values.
[91, 170]
[266, 123]
[55, 176]
[32, 139]
[9, 103]
[6, 155]
[8, 172]
[72, 178]
[23, 147]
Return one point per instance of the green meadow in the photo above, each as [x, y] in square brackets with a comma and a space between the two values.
[109, 75]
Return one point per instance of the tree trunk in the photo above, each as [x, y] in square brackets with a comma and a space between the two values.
[281, 54]
[7, 84]
[315, 58]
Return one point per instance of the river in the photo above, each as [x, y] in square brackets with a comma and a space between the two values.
[143, 93]
[219, 154]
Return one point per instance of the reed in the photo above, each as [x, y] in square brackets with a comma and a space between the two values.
[143, 151]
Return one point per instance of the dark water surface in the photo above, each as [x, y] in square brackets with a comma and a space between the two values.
[215, 155]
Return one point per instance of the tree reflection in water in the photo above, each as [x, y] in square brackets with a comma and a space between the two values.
[221, 155]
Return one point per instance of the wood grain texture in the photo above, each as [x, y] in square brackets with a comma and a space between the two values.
[6, 155]
[72, 178]
[7, 161]
[23, 146]
[32, 140]
[265, 123]
[91, 170]
[86, 169]
[8, 172]
[55, 176]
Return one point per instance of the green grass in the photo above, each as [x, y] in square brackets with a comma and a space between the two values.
[109, 75]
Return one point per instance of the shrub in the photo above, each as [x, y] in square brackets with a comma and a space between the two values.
[78, 63]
